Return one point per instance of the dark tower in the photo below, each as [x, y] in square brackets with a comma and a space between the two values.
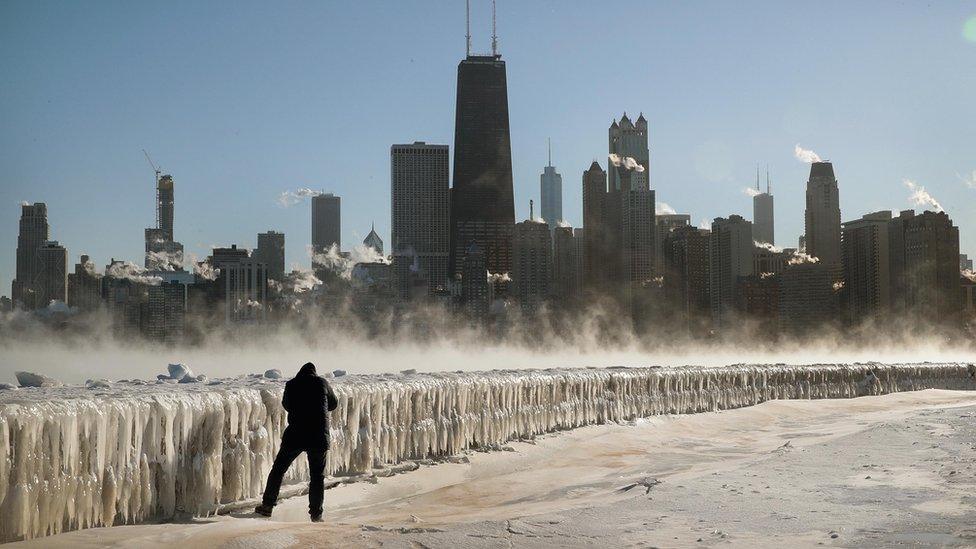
[164, 206]
[482, 203]
[34, 232]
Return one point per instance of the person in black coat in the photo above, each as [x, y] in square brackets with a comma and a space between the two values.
[308, 400]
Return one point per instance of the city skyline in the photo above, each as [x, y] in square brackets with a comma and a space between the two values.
[83, 156]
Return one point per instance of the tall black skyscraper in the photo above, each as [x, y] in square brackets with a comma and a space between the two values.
[482, 203]
[326, 222]
[34, 232]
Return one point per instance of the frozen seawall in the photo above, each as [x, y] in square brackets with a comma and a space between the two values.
[74, 458]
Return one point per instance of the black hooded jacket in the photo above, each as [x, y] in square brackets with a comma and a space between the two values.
[308, 400]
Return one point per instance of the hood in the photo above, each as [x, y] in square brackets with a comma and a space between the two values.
[307, 370]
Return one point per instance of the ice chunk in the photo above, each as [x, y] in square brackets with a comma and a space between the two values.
[408, 372]
[179, 371]
[98, 384]
[338, 373]
[190, 378]
[30, 379]
[273, 373]
[6, 387]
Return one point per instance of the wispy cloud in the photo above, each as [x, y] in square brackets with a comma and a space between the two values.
[805, 155]
[969, 180]
[921, 197]
[290, 198]
[749, 191]
[663, 208]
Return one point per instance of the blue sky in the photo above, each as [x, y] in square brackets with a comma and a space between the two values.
[240, 101]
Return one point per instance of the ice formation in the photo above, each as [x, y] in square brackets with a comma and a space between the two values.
[72, 457]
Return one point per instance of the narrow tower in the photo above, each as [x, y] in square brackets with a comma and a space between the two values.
[762, 213]
[551, 192]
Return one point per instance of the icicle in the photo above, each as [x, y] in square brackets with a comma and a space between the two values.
[72, 459]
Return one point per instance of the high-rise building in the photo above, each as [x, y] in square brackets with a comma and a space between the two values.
[51, 280]
[326, 222]
[867, 267]
[566, 274]
[551, 191]
[595, 229]
[482, 200]
[166, 312]
[687, 275]
[639, 227]
[34, 232]
[924, 264]
[271, 252]
[532, 264]
[762, 214]
[766, 261]
[84, 286]
[125, 299]
[628, 139]
[373, 241]
[163, 253]
[965, 264]
[476, 292]
[579, 239]
[665, 224]
[420, 216]
[822, 229]
[809, 296]
[730, 257]
[242, 284]
[757, 298]
[631, 226]
[165, 205]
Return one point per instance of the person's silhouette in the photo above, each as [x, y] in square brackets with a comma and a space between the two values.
[308, 400]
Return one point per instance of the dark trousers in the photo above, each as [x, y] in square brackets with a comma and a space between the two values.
[316, 472]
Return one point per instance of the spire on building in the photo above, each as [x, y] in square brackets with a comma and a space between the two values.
[467, 28]
[494, 36]
[550, 152]
[373, 240]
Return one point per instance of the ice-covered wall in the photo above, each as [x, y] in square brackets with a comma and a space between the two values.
[75, 458]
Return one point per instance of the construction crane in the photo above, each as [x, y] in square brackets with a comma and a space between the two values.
[158, 172]
[154, 167]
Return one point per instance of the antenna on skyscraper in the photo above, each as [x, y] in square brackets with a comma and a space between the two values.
[467, 27]
[767, 179]
[494, 37]
[757, 176]
[550, 152]
[531, 210]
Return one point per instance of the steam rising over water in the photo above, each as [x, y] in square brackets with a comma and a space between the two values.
[77, 362]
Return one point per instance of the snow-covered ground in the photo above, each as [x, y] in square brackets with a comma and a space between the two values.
[75, 457]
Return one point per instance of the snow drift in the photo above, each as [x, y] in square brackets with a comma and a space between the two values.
[72, 457]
